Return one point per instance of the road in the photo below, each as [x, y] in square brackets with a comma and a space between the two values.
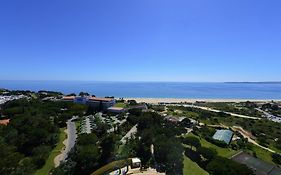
[270, 116]
[69, 143]
[129, 134]
[215, 110]
[116, 121]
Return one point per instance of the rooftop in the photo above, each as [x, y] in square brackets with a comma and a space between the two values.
[68, 97]
[5, 122]
[223, 135]
[101, 99]
[116, 108]
[136, 160]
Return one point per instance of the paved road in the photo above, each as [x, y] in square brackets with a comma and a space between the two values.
[128, 135]
[69, 143]
[270, 116]
[116, 121]
[215, 110]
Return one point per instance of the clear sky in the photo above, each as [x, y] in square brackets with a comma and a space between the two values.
[140, 40]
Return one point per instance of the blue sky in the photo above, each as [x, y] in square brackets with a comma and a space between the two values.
[140, 40]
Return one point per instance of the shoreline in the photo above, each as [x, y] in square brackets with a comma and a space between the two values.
[193, 100]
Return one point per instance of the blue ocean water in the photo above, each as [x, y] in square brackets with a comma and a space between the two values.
[155, 89]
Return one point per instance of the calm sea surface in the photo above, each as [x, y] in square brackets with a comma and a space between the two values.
[155, 90]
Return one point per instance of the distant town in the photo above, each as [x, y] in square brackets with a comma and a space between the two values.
[48, 132]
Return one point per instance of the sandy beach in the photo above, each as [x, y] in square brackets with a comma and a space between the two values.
[189, 100]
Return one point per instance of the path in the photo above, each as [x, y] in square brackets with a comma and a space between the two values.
[245, 134]
[129, 134]
[69, 143]
[249, 136]
[116, 121]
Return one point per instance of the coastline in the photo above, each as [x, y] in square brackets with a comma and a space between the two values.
[192, 100]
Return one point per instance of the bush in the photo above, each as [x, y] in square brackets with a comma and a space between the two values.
[216, 142]
[223, 166]
[207, 153]
[276, 158]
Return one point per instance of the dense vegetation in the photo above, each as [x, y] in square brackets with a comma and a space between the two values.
[91, 152]
[273, 108]
[243, 108]
[35, 122]
[267, 133]
[26, 142]
[208, 159]
[161, 136]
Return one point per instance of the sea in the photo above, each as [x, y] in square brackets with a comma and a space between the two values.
[244, 90]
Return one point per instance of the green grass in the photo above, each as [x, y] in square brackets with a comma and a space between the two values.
[78, 126]
[261, 153]
[49, 165]
[120, 105]
[223, 152]
[112, 166]
[191, 168]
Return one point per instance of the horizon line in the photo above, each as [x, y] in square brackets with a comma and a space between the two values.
[148, 81]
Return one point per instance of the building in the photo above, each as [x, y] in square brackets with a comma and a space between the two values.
[136, 163]
[101, 104]
[116, 110]
[172, 119]
[258, 166]
[223, 135]
[5, 122]
[68, 98]
[81, 99]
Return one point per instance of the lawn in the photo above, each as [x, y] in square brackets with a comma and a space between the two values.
[224, 152]
[78, 126]
[191, 168]
[112, 166]
[49, 165]
[120, 105]
[261, 153]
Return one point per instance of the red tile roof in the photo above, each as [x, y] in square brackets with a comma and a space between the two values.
[68, 97]
[5, 122]
[101, 99]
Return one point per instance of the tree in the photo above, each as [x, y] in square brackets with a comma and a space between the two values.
[185, 122]
[192, 141]
[107, 145]
[82, 94]
[207, 153]
[72, 94]
[132, 102]
[87, 154]
[135, 111]
[223, 166]
[276, 158]
[168, 152]
[9, 159]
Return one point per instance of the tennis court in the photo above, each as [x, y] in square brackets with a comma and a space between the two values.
[259, 166]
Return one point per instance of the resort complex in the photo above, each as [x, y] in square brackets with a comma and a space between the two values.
[126, 136]
[140, 87]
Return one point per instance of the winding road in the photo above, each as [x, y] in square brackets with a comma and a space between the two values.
[69, 143]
